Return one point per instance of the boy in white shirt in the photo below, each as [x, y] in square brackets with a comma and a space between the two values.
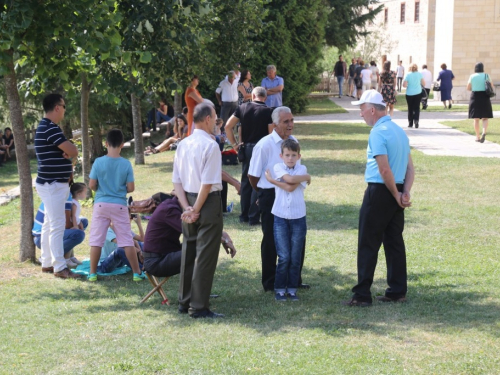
[289, 212]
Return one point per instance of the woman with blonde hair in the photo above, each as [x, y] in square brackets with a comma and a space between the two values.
[413, 83]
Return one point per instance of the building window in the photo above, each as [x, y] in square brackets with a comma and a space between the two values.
[386, 15]
[417, 11]
[403, 13]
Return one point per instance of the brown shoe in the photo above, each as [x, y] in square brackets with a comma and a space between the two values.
[389, 299]
[355, 302]
[48, 269]
[66, 274]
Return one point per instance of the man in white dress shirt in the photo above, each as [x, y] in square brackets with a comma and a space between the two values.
[198, 185]
[427, 76]
[227, 96]
[266, 154]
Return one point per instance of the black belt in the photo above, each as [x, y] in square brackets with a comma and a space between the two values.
[152, 255]
[230, 102]
[217, 192]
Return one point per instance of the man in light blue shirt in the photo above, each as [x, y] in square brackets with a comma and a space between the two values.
[389, 174]
[274, 85]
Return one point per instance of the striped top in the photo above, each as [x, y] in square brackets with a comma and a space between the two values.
[52, 166]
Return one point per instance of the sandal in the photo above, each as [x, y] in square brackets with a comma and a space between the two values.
[483, 137]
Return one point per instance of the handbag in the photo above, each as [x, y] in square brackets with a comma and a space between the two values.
[229, 157]
[241, 153]
[424, 92]
[488, 87]
[142, 207]
[436, 87]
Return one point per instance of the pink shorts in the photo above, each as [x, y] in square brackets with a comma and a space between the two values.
[103, 214]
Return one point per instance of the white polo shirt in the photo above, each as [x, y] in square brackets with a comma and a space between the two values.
[198, 162]
[228, 91]
[289, 205]
[427, 76]
[265, 155]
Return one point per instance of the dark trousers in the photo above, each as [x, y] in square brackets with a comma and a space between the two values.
[413, 102]
[223, 196]
[381, 221]
[226, 111]
[400, 80]
[268, 247]
[248, 196]
[163, 266]
[424, 100]
[200, 252]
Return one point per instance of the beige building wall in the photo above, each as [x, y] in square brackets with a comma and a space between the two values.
[476, 38]
[410, 37]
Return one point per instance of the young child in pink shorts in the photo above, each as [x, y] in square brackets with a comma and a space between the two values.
[112, 178]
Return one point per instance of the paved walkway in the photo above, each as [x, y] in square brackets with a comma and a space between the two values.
[432, 138]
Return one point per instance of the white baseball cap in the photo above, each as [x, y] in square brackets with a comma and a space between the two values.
[372, 97]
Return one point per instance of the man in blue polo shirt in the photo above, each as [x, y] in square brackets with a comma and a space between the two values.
[54, 153]
[389, 174]
[274, 85]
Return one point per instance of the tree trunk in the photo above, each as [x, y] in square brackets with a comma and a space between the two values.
[96, 142]
[68, 133]
[138, 141]
[26, 247]
[84, 119]
[177, 102]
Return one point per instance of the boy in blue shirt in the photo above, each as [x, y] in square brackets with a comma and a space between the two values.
[112, 178]
[289, 210]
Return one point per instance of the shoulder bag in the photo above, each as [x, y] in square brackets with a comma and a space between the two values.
[436, 87]
[488, 87]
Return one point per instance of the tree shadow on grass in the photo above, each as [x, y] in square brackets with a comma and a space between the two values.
[330, 129]
[432, 308]
[322, 167]
[333, 144]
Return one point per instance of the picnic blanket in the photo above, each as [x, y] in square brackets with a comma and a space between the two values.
[84, 269]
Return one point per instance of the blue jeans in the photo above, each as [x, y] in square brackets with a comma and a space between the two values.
[115, 260]
[289, 237]
[340, 80]
[160, 116]
[71, 238]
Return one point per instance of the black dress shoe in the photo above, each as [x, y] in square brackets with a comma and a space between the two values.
[206, 314]
[416, 125]
[182, 310]
[304, 286]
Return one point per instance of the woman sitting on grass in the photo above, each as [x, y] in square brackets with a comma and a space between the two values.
[180, 130]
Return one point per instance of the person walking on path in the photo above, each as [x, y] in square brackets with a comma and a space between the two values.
[388, 82]
[352, 73]
[340, 72]
[413, 83]
[480, 103]
[400, 73]
[198, 184]
[54, 153]
[446, 77]
[427, 76]
[389, 174]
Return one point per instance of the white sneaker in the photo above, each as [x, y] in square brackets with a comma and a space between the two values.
[76, 261]
[70, 264]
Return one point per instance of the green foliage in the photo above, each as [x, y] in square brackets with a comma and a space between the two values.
[346, 20]
[292, 38]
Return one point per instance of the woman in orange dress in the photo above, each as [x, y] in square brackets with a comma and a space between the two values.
[192, 97]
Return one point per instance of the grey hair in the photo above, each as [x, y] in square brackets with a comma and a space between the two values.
[270, 67]
[208, 101]
[277, 113]
[231, 74]
[378, 107]
[201, 111]
[259, 92]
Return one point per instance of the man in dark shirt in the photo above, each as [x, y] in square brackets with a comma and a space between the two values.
[54, 153]
[162, 248]
[352, 72]
[340, 72]
[256, 122]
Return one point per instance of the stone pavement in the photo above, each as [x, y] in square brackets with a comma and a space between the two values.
[431, 138]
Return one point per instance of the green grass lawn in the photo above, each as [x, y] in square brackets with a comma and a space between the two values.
[451, 324]
[467, 126]
[321, 106]
[402, 106]
[9, 177]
